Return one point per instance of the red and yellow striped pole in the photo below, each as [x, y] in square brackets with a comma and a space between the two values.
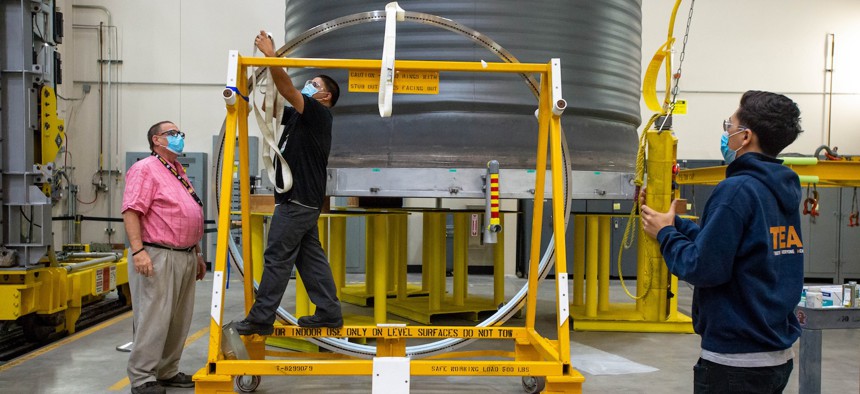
[492, 223]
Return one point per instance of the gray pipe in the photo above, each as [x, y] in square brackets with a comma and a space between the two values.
[95, 7]
[104, 9]
[80, 266]
[83, 255]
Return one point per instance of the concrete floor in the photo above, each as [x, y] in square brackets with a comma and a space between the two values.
[88, 362]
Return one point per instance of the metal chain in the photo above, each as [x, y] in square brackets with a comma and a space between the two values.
[677, 75]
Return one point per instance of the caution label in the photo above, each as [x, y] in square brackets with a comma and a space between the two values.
[401, 332]
[680, 107]
[405, 82]
[105, 279]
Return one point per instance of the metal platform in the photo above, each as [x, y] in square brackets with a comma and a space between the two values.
[417, 308]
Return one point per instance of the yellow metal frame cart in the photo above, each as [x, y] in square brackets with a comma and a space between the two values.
[534, 357]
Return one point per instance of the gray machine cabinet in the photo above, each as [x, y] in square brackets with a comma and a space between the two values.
[819, 234]
[849, 240]
[253, 170]
[628, 256]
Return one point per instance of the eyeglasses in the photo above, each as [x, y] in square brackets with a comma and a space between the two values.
[728, 124]
[173, 133]
[316, 85]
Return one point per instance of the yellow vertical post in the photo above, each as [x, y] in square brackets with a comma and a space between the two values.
[499, 265]
[558, 203]
[603, 263]
[302, 300]
[337, 255]
[245, 192]
[258, 247]
[461, 242]
[393, 242]
[591, 249]
[441, 255]
[436, 264]
[369, 254]
[304, 306]
[673, 302]
[662, 151]
[643, 271]
[425, 250]
[578, 258]
[402, 258]
[390, 347]
[537, 215]
[322, 226]
[380, 267]
[219, 274]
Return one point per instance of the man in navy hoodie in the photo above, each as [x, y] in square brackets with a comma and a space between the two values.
[745, 258]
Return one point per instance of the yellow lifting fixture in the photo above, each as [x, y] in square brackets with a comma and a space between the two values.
[656, 307]
[534, 356]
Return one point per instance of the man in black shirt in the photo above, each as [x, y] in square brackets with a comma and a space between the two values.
[293, 233]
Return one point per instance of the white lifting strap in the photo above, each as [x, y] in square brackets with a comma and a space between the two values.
[269, 126]
[393, 13]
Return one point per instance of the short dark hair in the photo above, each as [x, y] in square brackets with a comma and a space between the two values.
[153, 130]
[774, 118]
[332, 88]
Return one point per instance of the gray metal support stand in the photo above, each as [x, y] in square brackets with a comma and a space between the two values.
[810, 362]
[812, 322]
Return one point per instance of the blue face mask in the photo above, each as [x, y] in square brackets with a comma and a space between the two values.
[729, 154]
[175, 143]
[309, 90]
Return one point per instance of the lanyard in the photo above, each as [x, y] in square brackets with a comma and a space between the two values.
[180, 178]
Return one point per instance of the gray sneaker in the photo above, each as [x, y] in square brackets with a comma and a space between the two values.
[178, 380]
[148, 388]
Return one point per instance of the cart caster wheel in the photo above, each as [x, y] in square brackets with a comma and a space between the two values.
[534, 384]
[246, 383]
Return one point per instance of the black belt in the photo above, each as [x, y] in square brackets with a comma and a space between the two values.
[159, 246]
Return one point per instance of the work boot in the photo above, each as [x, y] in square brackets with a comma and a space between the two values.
[148, 388]
[178, 380]
[318, 321]
[246, 327]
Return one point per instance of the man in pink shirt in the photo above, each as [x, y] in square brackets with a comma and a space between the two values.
[163, 218]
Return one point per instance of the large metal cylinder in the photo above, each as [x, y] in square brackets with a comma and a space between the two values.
[479, 117]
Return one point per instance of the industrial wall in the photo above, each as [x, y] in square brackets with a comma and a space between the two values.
[169, 62]
[173, 67]
[775, 45]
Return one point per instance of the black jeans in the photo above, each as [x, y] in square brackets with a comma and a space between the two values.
[294, 240]
[712, 378]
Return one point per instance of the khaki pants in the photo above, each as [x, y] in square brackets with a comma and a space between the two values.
[163, 305]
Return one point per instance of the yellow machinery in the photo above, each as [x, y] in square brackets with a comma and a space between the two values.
[826, 173]
[533, 356]
[40, 294]
[53, 135]
[811, 172]
[655, 308]
[57, 292]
